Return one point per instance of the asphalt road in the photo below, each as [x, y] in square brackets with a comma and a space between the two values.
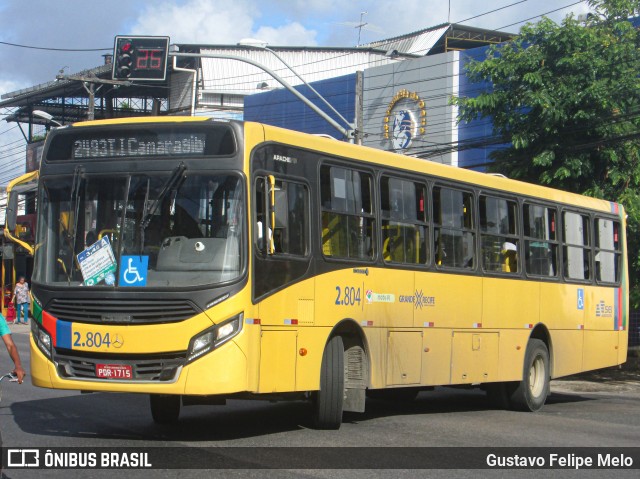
[576, 415]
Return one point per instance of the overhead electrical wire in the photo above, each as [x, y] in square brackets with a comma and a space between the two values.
[538, 16]
[53, 49]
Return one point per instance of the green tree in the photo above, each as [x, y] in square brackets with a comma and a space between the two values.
[566, 99]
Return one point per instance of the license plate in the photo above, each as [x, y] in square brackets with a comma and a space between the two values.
[114, 371]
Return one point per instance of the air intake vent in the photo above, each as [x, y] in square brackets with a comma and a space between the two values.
[127, 311]
[160, 368]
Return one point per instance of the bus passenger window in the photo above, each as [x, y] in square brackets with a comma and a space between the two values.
[288, 224]
[453, 224]
[540, 240]
[404, 221]
[499, 234]
[348, 221]
[608, 253]
[577, 250]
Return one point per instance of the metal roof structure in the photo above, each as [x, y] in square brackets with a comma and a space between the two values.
[67, 100]
[440, 39]
[312, 64]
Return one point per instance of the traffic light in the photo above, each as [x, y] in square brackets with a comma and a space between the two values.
[140, 58]
[122, 58]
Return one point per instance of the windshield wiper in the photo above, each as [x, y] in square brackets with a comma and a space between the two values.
[173, 183]
[74, 205]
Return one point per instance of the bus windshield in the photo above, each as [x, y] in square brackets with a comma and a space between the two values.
[144, 230]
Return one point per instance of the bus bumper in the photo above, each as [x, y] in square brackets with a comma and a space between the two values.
[222, 371]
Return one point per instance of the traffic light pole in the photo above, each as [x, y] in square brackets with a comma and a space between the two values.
[348, 133]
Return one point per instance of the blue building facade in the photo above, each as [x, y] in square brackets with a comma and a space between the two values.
[282, 108]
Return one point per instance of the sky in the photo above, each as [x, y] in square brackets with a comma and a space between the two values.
[53, 26]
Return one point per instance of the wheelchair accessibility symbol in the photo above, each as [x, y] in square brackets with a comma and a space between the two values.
[133, 270]
[580, 304]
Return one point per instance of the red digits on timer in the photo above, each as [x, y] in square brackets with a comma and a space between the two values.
[148, 59]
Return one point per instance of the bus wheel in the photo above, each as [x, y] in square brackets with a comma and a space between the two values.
[165, 408]
[531, 393]
[329, 399]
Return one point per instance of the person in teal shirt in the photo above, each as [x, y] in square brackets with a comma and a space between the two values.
[5, 334]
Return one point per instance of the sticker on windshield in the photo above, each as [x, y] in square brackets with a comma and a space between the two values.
[133, 270]
[97, 262]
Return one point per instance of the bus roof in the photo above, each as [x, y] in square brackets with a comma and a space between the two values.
[142, 119]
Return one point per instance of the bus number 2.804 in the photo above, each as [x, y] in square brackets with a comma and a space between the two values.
[91, 340]
[349, 296]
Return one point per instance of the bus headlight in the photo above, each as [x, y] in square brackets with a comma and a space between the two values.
[43, 340]
[211, 338]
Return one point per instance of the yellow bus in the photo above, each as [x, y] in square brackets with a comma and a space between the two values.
[196, 260]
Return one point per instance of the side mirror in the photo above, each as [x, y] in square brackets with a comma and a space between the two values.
[12, 212]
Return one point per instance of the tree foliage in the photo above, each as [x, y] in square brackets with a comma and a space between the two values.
[566, 98]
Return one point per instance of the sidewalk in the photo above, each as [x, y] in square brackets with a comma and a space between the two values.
[20, 328]
[625, 377]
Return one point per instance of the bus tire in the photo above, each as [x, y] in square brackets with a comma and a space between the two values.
[329, 400]
[531, 393]
[165, 408]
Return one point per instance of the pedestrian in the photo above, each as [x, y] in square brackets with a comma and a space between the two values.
[21, 298]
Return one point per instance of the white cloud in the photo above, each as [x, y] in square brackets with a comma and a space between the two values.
[197, 21]
[293, 34]
[210, 22]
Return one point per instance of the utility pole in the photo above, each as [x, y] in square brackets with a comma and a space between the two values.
[89, 84]
[359, 126]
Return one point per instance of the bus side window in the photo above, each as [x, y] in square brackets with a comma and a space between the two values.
[348, 221]
[289, 233]
[608, 253]
[499, 234]
[404, 221]
[454, 229]
[292, 216]
[260, 215]
[540, 240]
[577, 249]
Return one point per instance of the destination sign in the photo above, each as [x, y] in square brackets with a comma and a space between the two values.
[141, 141]
[168, 144]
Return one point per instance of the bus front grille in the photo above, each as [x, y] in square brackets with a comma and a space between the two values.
[148, 369]
[129, 311]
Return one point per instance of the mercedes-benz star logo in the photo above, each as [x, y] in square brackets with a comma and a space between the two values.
[118, 342]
